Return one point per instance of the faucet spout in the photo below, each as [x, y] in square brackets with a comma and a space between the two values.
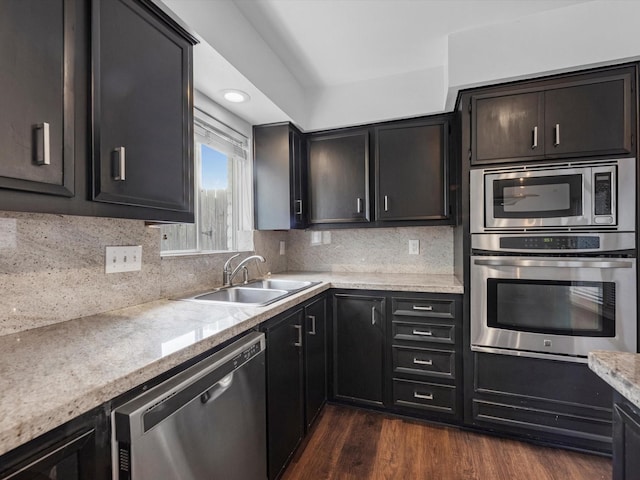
[242, 265]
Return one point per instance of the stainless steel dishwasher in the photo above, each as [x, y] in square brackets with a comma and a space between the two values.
[207, 422]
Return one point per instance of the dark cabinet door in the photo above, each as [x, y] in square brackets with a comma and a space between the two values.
[315, 353]
[339, 177]
[279, 178]
[589, 119]
[507, 127]
[298, 201]
[626, 441]
[285, 412]
[411, 172]
[37, 62]
[142, 117]
[358, 348]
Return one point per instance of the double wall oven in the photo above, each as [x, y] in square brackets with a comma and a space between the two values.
[553, 265]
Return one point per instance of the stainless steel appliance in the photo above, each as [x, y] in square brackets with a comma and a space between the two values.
[560, 196]
[548, 307]
[207, 422]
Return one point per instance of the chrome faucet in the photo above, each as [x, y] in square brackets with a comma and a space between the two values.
[228, 274]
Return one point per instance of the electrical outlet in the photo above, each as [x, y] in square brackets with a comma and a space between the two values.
[316, 238]
[282, 247]
[123, 259]
[414, 247]
[326, 238]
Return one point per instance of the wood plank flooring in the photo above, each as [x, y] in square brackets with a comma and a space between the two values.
[349, 443]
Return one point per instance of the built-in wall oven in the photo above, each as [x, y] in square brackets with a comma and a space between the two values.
[553, 265]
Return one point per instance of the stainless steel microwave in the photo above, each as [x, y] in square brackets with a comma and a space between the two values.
[560, 196]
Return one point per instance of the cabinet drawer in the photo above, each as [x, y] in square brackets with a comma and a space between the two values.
[422, 361]
[415, 307]
[425, 396]
[424, 332]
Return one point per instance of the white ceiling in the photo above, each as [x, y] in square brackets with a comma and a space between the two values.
[292, 56]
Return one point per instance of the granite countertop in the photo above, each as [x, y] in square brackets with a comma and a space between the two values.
[52, 374]
[621, 370]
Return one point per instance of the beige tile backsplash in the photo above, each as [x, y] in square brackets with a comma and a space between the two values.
[52, 266]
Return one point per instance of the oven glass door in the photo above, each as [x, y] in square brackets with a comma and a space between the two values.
[552, 307]
[538, 199]
[565, 306]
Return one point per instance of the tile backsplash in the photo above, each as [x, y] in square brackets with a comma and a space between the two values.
[52, 268]
[381, 250]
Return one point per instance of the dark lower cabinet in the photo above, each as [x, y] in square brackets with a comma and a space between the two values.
[315, 358]
[285, 408]
[77, 450]
[296, 378]
[626, 439]
[359, 348]
[545, 400]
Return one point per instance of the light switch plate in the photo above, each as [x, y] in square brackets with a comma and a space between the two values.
[282, 247]
[123, 259]
[326, 238]
[316, 238]
[414, 247]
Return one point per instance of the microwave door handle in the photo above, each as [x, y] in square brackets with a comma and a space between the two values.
[552, 263]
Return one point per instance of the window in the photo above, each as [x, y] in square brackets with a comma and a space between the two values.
[223, 203]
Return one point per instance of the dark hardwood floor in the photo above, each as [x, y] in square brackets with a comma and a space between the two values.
[349, 443]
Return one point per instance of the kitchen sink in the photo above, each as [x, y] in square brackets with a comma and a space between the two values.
[257, 293]
[288, 285]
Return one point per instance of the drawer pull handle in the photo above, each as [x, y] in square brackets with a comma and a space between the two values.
[428, 308]
[119, 163]
[428, 396]
[417, 361]
[299, 342]
[556, 135]
[43, 144]
[428, 333]
[535, 138]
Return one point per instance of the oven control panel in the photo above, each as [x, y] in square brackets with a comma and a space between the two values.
[554, 242]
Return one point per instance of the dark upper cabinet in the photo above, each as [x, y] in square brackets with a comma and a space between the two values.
[589, 119]
[358, 348]
[37, 54]
[339, 177]
[626, 439]
[508, 127]
[315, 358]
[279, 178]
[412, 171]
[579, 115]
[142, 109]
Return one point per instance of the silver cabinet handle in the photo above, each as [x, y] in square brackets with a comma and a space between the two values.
[358, 205]
[313, 324]
[427, 308]
[299, 342]
[535, 138]
[553, 263]
[373, 315]
[299, 210]
[119, 164]
[428, 396]
[386, 203]
[43, 144]
[417, 361]
[556, 135]
[427, 333]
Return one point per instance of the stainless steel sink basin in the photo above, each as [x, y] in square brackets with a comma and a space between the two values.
[288, 285]
[246, 296]
[257, 293]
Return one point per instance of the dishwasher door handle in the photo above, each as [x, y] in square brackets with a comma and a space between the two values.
[217, 390]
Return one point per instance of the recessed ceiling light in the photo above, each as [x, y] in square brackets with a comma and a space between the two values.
[235, 96]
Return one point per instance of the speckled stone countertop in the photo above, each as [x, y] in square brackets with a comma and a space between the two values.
[52, 374]
[621, 370]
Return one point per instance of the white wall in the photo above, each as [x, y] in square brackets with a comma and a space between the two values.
[585, 35]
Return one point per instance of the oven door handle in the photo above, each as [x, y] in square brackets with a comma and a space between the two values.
[506, 262]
